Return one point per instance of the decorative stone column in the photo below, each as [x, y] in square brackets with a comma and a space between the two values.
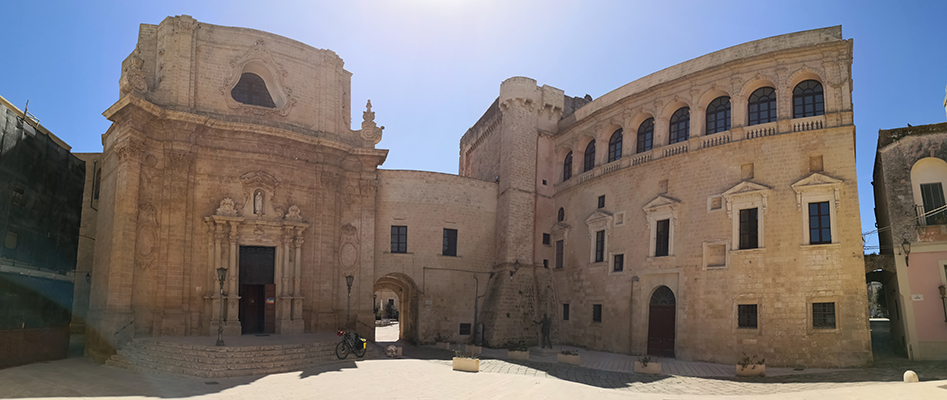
[232, 326]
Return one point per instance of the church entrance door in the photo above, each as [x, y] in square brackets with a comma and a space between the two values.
[257, 289]
[661, 323]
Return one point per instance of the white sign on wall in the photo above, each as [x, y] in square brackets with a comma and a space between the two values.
[917, 297]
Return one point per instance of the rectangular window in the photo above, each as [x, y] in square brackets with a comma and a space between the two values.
[546, 264]
[559, 251]
[749, 228]
[823, 315]
[565, 312]
[464, 329]
[746, 316]
[820, 225]
[601, 201]
[17, 196]
[599, 246]
[662, 237]
[596, 313]
[450, 242]
[619, 263]
[399, 239]
[546, 239]
[932, 194]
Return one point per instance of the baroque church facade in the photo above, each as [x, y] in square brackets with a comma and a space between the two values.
[701, 212]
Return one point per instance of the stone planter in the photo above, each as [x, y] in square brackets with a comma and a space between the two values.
[651, 368]
[752, 370]
[518, 355]
[443, 345]
[473, 350]
[568, 358]
[466, 364]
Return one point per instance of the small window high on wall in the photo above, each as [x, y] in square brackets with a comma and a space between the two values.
[251, 89]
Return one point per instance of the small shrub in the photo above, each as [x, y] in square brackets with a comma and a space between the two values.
[517, 346]
[570, 352]
[645, 359]
[440, 338]
[751, 361]
[464, 354]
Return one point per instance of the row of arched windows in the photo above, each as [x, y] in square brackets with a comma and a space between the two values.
[807, 99]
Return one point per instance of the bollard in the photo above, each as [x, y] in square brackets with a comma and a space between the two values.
[910, 376]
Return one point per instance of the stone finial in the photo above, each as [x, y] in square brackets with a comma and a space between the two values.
[368, 115]
[370, 131]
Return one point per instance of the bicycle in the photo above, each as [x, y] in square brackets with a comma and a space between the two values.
[351, 343]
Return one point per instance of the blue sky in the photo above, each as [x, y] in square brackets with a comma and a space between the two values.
[431, 67]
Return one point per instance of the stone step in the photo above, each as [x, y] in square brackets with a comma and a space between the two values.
[206, 362]
[229, 352]
[152, 356]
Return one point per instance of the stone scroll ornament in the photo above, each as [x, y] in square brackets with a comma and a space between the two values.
[370, 131]
[227, 208]
[348, 251]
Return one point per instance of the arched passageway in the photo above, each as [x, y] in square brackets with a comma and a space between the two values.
[407, 291]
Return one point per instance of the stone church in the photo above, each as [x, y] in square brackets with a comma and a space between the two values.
[727, 224]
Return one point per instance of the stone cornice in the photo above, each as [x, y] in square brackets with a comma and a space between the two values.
[133, 100]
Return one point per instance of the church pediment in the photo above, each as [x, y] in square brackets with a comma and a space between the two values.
[598, 216]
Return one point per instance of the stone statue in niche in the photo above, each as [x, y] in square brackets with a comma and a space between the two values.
[258, 203]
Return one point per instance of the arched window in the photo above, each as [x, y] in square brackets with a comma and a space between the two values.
[589, 157]
[663, 296]
[762, 106]
[567, 167]
[562, 215]
[807, 99]
[718, 115]
[251, 89]
[645, 135]
[680, 125]
[614, 146]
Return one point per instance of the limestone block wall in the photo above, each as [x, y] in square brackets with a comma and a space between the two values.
[427, 203]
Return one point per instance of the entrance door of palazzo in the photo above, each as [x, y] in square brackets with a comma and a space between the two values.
[661, 323]
[257, 289]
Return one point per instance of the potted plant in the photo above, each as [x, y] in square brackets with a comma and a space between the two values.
[517, 351]
[441, 341]
[464, 361]
[568, 357]
[751, 366]
[943, 290]
[647, 365]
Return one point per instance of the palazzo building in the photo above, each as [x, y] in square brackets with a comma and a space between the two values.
[704, 211]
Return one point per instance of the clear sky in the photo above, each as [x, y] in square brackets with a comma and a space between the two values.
[432, 67]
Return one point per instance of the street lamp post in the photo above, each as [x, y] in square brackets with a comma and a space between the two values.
[906, 247]
[221, 276]
[348, 307]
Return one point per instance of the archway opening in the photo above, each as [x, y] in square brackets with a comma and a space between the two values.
[396, 309]
[887, 332]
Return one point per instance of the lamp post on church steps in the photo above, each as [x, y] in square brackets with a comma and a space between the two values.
[348, 307]
[221, 276]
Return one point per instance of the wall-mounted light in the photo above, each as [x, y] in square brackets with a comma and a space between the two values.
[906, 247]
[88, 277]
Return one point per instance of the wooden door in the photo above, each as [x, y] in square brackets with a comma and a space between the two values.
[251, 309]
[661, 318]
[269, 308]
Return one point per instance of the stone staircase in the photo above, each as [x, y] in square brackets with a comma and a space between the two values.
[151, 355]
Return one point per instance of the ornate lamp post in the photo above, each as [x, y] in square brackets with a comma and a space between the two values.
[348, 307]
[221, 276]
[906, 247]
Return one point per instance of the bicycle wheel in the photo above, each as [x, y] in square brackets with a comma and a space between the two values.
[341, 350]
[359, 350]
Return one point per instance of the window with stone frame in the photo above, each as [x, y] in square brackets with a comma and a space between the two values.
[820, 223]
[718, 115]
[596, 313]
[251, 89]
[661, 215]
[614, 146]
[560, 249]
[808, 99]
[680, 125]
[749, 228]
[567, 167]
[589, 160]
[818, 197]
[562, 214]
[546, 239]
[601, 201]
[823, 315]
[565, 311]
[761, 107]
[645, 136]
[599, 246]
[662, 238]
[399, 239]
[747, 316]
[618, 263]
[449, 247]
